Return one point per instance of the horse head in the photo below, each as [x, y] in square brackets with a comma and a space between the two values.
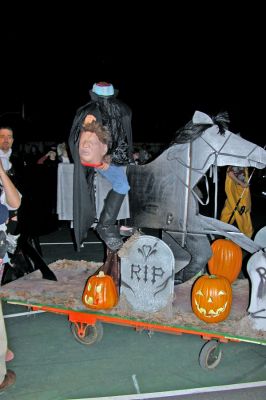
[231, 149]
[160, 190]
[163, 193]
[213, 144]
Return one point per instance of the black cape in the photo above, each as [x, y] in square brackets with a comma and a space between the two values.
[116, 116]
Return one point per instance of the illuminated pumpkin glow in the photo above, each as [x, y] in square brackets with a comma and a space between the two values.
[210, 313]
[211, 298]
[100, 292]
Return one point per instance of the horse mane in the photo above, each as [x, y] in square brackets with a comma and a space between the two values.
[191, 131]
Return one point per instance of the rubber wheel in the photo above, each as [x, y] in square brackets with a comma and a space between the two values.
[93, 333]
[210, 355]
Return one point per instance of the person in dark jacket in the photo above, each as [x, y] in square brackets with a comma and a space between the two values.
[115, 115]
[27, 255]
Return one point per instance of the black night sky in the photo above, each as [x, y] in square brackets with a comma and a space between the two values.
[165, 65]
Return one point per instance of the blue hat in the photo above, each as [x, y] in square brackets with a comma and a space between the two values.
[4, 214]
[103, 89]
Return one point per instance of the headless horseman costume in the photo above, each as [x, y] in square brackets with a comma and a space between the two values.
[116, 117]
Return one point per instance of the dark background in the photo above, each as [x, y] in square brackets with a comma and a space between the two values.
[166, 63]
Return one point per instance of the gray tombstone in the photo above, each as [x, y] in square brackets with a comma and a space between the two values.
[256, 268]
[147, 274]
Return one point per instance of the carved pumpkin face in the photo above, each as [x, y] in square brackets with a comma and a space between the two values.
[226, 259]
[100, 292]
[211, 298]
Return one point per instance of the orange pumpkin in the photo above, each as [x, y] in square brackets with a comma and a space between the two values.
[100, 292]
[226, 259]
[211, 298]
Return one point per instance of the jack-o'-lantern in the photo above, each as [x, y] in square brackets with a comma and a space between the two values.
[100, 292]
[211, 298]
[226, 259]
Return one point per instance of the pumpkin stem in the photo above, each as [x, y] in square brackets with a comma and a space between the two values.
[101, 274]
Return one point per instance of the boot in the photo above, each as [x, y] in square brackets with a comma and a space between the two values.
[106, 227]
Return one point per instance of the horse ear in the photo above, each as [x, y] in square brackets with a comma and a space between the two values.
[200, 118]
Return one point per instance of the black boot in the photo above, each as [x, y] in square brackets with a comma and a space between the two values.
[106, 227]
[25, 260]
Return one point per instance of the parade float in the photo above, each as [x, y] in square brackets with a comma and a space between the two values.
[163, 283]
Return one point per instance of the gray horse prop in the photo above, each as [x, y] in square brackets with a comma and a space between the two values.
[163, 192]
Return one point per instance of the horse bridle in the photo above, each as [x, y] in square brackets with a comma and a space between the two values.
[214, 170]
